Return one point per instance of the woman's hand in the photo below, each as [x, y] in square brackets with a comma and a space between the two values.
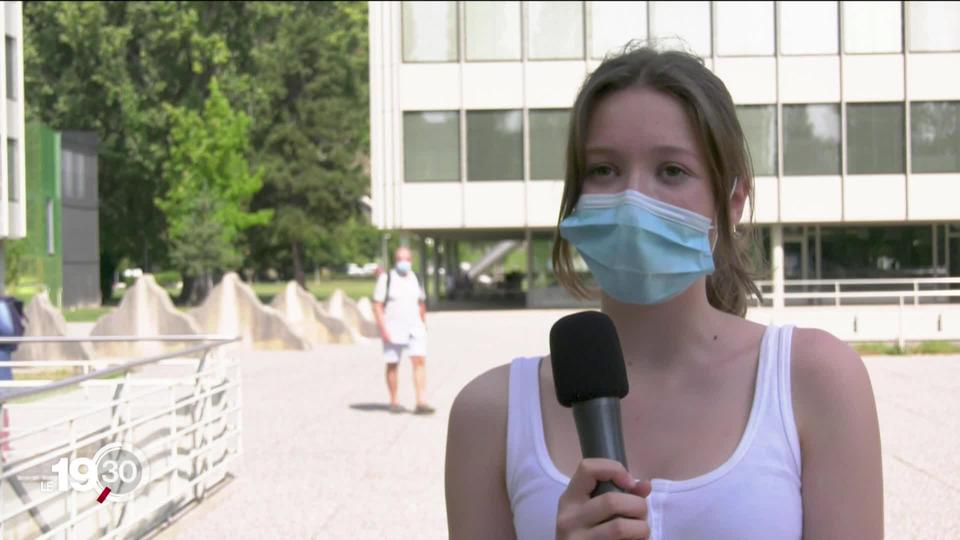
[611, 516]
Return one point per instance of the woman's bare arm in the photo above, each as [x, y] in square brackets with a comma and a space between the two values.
[477, 503]
[836, 417]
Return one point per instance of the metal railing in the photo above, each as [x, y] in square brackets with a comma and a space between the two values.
[881, 291]
[180, 409]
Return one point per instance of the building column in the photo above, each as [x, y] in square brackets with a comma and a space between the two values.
[436, 268]
[423, 269]
[776, 260]
[528, 240]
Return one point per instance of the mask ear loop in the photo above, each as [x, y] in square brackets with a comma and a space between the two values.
[733, 189]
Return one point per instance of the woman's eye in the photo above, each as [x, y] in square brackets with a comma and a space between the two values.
[674, 172]
[600, 171]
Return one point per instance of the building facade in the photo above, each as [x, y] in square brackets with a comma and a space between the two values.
[13, 222]
[851, 111]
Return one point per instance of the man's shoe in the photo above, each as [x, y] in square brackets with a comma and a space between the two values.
[396, 408]
[423, 408]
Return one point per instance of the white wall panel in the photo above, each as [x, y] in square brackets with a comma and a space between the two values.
[874, 77]
[810, 79]
[429, 87]
[934, 196]
[543, 202]
[494, 204]
[749, 80]
[493, 85]
[766, 195]
[431, 205]
[553, 84]
[880, 197]
[805, 199]
[934, 76]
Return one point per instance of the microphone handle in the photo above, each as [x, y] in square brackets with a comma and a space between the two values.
[601, 434]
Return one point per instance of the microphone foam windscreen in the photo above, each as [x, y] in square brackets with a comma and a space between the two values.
[586, 357]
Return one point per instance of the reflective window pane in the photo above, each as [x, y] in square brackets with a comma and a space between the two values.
[11, 57]
[494, 145]
[548, 143]
[872, 27]
[811, 139]
[744, 28]
[430, 32]
[431, 146]
[614, 24]
[682, 25]
[493, 30]
[759, 123]
[875, 138]
[13, 193]
[934, 26]
[555, 30]
[808, 28]
[935, 136]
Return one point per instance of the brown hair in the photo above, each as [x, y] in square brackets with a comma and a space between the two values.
[710, 108]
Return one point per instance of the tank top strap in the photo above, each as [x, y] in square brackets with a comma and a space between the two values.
[521, 408]
[784, 347]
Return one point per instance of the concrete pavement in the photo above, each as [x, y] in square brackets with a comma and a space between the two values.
[324, 459]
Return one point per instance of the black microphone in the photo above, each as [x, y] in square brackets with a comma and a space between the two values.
[590, 377]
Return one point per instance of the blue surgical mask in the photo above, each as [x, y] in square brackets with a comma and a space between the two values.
[403, 266]
[639, 249]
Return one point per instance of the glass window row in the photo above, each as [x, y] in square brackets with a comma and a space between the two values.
[875, 136]
[558, 30]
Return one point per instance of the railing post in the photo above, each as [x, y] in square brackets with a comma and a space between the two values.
[173, 440]
[901, 342]
[836, 292]
[916, 290]
[72, 498]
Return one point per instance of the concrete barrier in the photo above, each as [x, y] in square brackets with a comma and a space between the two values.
[232, 308]
[146, 310]
[44, 320]
[309, 318]
[342, 307]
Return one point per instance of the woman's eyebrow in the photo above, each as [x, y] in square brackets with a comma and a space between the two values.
[669, 149]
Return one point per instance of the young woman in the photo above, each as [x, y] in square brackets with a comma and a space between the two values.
[734, 430]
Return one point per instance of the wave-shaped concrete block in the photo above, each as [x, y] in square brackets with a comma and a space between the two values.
[305, 313]
[146, 310]
[44, 320]
[232, 308]
[361, 323]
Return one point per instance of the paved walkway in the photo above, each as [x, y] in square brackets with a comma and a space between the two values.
[323, 459]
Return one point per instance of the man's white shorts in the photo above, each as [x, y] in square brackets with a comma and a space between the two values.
[416, 346]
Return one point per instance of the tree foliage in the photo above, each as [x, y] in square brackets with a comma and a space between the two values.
[209, 187]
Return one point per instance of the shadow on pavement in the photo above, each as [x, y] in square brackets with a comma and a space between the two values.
[385, 407]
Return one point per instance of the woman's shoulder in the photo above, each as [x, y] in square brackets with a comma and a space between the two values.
[827, 377]
[485, 397]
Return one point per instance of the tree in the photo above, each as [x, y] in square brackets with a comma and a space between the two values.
[209, 187]
[312, 129]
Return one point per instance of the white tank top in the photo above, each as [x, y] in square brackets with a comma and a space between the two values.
[755, 494]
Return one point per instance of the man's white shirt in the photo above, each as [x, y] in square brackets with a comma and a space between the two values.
[402, 314]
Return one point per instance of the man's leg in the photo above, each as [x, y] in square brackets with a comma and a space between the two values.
[392, 382]
[419, 377]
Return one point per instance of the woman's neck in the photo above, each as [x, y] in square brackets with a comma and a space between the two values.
[662, 336]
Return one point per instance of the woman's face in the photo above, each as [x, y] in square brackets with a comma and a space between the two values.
[642, 139]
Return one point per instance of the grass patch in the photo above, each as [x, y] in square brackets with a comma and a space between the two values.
[892, 349]
[354, 288]
[91, 314]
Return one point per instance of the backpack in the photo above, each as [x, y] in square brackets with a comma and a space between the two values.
[14, 308]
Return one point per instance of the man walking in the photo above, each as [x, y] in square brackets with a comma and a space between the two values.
[400, 309]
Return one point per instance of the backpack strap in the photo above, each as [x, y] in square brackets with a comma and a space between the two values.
[386, 297]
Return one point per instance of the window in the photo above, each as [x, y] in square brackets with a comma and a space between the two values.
[875, 142]
[11, 58]
[759, 123]
[493, 30]
[744, 28]
[51, 248]
[614, 24]
[935, 137]
[430, 32]
[431, 146]
[555, 30]
[548, 142]
[933, 26]
[811, 139]
[808, 28]
[872, 27]
[682, 25]
[494, 145]
[13, 191]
